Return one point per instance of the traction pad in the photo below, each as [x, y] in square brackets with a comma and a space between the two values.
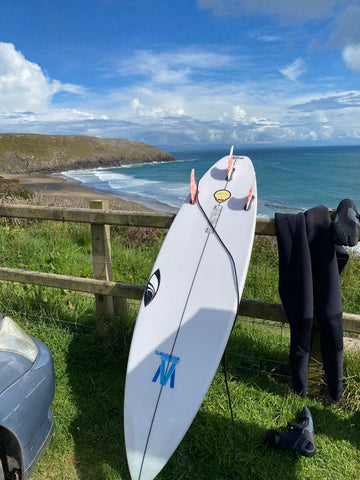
[299, 436]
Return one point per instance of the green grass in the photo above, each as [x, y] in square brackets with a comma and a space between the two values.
[88, 442]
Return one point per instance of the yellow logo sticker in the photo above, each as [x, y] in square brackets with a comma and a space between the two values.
[222, 195]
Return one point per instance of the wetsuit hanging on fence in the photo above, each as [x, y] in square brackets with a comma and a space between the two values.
[309, 284]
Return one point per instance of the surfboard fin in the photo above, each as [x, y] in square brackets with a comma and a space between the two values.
[193, 187]
[250, 198]
[230, 164]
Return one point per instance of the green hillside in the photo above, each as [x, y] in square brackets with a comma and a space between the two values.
[27, 153]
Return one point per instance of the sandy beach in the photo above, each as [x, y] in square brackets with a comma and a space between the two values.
[54, 189]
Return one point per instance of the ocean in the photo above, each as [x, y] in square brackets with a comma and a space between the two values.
[288, 179]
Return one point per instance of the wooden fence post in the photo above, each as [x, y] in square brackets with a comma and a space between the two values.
[101, 252]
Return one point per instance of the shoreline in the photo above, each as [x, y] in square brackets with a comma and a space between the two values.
[53, 188]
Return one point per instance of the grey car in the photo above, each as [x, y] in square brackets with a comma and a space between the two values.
[26, 392]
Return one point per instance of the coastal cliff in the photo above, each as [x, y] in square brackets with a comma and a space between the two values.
[29, 153]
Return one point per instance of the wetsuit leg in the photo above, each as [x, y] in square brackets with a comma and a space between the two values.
[296, 292]
[327, 295]
[331, 337]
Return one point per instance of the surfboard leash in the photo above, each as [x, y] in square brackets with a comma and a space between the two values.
[234, 456]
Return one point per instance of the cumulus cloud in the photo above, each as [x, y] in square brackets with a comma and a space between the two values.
[23, 85]
[159, 110]
[351, 57]
[238, 113]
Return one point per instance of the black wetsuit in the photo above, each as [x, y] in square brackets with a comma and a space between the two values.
[309, 284]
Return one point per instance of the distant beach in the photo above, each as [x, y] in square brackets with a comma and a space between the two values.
[55, 188]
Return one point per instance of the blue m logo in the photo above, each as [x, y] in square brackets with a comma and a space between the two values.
[166, 369]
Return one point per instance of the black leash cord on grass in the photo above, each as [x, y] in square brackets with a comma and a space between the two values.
[233, 460]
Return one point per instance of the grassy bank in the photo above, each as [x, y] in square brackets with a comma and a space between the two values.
[25, 152]
[88, 443]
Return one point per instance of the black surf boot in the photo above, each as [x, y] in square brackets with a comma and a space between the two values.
[346, 223]
[299, 436]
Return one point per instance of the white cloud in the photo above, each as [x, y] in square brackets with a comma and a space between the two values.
[172, 67]
[269, 38]
[329, 101]
[238, 113]
[23, 85]
[209, 107]
[351, 56]
[294, 70]
[145, 101]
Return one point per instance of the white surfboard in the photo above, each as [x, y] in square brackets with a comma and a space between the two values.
[187, 313]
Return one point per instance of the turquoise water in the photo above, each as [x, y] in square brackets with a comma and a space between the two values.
[288, 179]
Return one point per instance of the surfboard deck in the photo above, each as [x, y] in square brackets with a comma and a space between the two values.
[187, 313]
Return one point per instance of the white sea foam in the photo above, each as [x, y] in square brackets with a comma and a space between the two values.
[150, 192]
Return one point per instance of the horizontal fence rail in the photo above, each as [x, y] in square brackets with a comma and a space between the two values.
[247, 308]
[105, 288]
[88, 215]
[264, 226]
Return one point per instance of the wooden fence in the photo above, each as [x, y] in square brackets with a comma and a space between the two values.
[109, 293]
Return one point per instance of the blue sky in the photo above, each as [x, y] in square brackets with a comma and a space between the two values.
[183, 73]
